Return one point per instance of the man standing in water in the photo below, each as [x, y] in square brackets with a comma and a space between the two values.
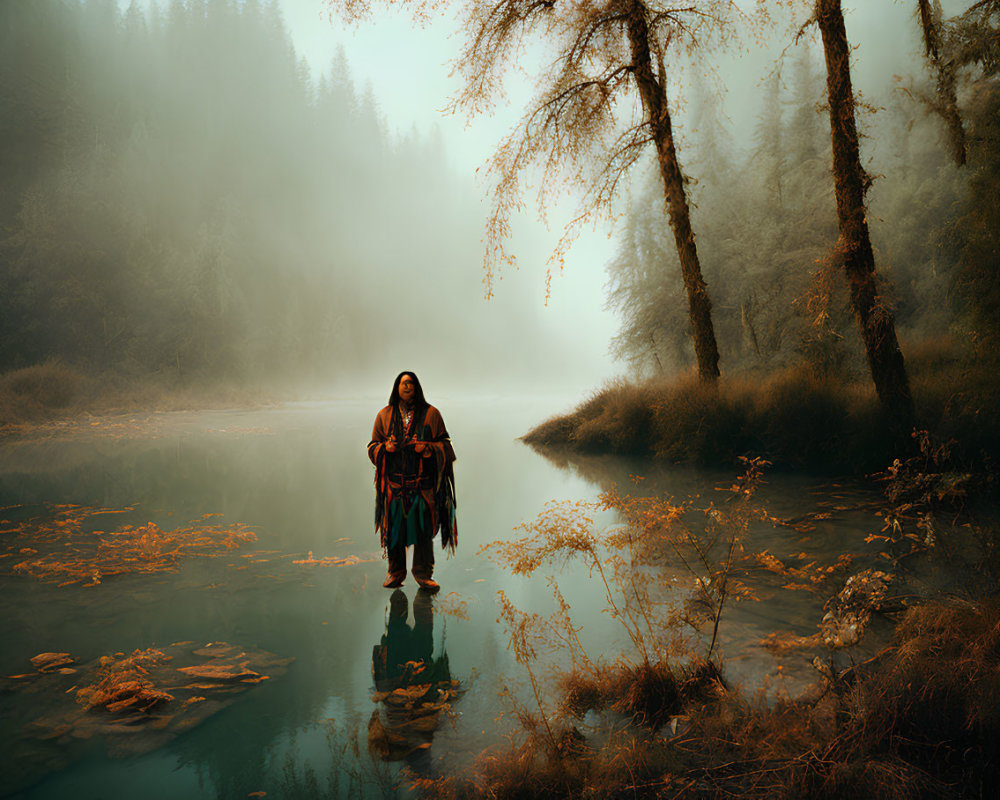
[414, 482]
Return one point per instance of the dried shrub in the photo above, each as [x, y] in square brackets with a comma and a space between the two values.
[921, 722]
[618, 418]
[920, 719]
[647, 693]
[935, 702]
[554, 432]
[38, 391]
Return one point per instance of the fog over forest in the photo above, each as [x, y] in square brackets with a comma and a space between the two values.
[187, 198]
[716, 501]
[184, 200]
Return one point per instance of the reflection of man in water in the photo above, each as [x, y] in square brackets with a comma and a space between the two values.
[413, 688]
[414, 482]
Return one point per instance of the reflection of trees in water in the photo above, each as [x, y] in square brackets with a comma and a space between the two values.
[243, 750]
[784, 493]
[413, 689]
[607, 472]
[794, 553]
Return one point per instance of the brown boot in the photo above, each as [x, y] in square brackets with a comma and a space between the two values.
[393, 580]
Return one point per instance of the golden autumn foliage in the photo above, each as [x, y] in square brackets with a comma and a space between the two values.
[869, 730]
[629, 562]
[917, 720]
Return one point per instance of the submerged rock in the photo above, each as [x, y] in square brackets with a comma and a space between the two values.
[135, 703]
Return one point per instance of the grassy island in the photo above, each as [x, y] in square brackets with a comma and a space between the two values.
[796, 418]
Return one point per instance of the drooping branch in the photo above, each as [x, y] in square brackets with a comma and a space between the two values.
[567, 135]
[574, 133]
[974, 37]
[582, 45]
[497, 32]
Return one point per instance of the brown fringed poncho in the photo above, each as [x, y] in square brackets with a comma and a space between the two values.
[403, 476]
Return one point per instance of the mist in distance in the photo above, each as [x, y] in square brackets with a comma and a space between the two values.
[187, 199]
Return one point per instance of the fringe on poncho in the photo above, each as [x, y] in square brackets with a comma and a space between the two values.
[400, 476]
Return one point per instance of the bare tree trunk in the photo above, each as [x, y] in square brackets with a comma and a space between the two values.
[875, 317]
[654, 101]
[947, 105]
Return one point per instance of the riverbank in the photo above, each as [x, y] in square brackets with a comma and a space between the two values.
[52, 395]
[905, 711]
[919, 720]
[795, 418]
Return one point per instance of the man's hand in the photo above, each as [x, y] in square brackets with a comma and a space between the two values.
[390, 445]
[422, 449]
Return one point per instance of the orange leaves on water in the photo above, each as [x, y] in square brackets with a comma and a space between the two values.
[68, 552]
[812, 576]
[782, 641]
[408, 718]
[52, 662]
[452, 605]
[328, 561]
[227, 673]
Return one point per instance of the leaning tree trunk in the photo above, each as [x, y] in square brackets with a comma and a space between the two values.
[654, 101]
[947, 105]
[875, 317]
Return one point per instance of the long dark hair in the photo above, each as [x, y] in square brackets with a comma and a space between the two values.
[418, 393]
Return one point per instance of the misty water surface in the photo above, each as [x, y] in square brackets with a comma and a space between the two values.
[298, 475]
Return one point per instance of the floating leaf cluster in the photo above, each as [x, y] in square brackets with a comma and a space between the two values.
[151, 695]
[328, 561]
[124, 684]
[61, 548]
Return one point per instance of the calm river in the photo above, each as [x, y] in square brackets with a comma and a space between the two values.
[298, 477]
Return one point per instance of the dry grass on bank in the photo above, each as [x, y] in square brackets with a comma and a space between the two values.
[794, 418]
[921, 721]
[52, 390]
[41, 392]
[649, 694]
